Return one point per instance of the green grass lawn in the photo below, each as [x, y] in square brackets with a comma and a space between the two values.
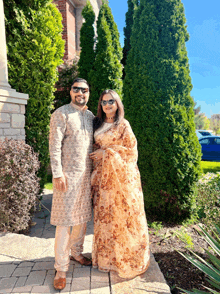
[49, 184]
[210, 166]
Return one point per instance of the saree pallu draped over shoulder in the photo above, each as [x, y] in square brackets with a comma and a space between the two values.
[121, 241]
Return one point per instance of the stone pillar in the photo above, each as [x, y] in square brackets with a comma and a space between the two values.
[96, 4]
[12, 103]
[3, 54]
[79, 22]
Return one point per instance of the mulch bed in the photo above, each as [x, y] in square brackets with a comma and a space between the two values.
[178, 272]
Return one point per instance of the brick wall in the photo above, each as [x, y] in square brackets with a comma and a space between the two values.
[61, 5]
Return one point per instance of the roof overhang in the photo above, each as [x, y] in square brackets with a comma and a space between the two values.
[82, 3]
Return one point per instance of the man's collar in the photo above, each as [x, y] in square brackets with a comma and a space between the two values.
[78, 107]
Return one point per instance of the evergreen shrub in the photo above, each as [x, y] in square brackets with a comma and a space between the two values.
[19, 184]
[159, 107]
[35, 49]
[107, 68]
[87, 42]
[67, 73]
[129, 20]
[106, 12]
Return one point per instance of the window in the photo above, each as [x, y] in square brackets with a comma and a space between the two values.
[217, 141]
[205, 133]
[205, 141]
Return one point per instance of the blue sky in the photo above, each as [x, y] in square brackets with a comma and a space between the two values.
[203, 23]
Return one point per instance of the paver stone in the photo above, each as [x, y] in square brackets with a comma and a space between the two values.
[6, 270]
[22, 271]
[7, 284]
[36, 278]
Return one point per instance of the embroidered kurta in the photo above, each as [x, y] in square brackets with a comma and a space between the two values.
[70, 142]
[121, 241]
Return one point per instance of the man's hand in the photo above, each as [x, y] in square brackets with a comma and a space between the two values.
[60, 184]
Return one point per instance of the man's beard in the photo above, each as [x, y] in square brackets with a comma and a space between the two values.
[82, 101]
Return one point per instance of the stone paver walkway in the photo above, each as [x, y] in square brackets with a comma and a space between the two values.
[27, 265]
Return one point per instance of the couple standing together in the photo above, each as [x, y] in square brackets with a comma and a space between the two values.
[108, 171]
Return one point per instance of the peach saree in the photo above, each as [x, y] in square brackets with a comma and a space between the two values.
[121, 240]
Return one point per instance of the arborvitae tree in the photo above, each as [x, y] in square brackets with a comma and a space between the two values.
[129, 20]
[87, 34]
[107, 13]
[67, 74]
[160, 109]
[107, 69]
[35, 49]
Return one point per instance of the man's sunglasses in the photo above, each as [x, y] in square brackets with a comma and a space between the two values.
[83, 90]
[110, 102]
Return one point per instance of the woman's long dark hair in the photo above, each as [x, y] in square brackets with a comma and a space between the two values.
[100, 118]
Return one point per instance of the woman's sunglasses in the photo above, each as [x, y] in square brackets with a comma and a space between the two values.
[110, 102]
[83, 90]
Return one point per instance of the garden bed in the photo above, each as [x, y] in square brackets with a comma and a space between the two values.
[178, 272]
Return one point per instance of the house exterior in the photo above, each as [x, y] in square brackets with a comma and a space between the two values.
[71, 11]
[12, 103]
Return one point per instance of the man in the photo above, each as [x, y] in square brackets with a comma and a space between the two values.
[70, 141]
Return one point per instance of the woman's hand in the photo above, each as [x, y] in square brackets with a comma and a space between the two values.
[96, 155]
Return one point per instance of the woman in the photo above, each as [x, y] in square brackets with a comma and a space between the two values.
[121, 239]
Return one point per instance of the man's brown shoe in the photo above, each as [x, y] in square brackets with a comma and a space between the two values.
[82, 260]
[59, 284]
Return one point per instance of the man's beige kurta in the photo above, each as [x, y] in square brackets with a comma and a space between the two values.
[70, 141]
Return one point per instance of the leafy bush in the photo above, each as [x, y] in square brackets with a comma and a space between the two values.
[211, 268]
[67, 73]
[35, 49]
[19, 184]
[208, 199]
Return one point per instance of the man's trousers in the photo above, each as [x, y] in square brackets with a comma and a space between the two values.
[66, 241]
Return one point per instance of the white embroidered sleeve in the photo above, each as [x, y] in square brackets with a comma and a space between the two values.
[57, 131]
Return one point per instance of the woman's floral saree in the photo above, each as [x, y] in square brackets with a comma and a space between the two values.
[121, 239]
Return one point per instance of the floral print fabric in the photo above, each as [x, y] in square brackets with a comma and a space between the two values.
[121, 240]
